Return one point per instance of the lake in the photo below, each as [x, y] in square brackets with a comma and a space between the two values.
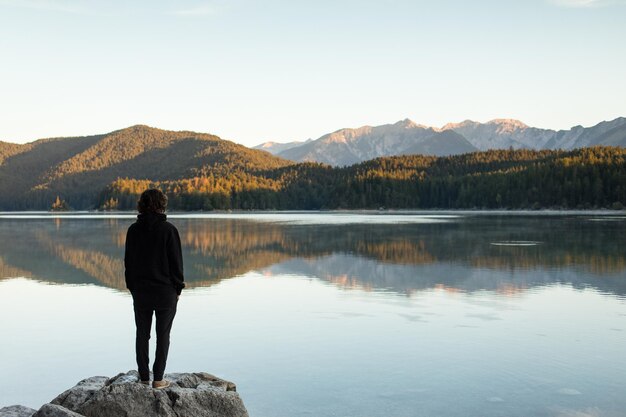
[336, 314]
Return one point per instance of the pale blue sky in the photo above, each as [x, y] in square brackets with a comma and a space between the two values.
[252, 71]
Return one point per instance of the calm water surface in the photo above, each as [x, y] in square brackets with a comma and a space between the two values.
[336, 314]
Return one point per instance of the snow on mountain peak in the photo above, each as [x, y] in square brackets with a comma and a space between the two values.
[407, 123]
[452, 126]
[507, 125]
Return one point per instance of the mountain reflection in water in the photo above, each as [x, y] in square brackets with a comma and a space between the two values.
[458, 254]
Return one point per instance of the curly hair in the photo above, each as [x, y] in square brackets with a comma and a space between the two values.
[152, 200]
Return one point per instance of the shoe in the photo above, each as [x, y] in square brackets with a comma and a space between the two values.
[145, 382]
[160, 384]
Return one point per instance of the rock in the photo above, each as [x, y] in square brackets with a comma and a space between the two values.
[53, 410]
[81, 393]
[16, 411]
[190, 395]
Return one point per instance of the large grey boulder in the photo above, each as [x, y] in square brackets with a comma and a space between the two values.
[73, 398]
[190, 395]
[53, 410]
[16, 411]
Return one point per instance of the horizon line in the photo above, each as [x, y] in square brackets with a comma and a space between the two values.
[309, 138]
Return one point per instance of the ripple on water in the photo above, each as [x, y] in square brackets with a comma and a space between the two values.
[569, 391]
[516, 243]
[495, 400]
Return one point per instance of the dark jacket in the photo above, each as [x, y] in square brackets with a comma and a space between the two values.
[153, 258]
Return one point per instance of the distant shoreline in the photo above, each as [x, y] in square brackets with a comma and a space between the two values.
[417, 212]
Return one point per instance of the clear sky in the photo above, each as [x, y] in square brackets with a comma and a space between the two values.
[252, 71]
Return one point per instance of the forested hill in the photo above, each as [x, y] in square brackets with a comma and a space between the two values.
[523, 179]
[77, 169]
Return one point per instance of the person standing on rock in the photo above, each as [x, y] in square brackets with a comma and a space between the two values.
[153, 263]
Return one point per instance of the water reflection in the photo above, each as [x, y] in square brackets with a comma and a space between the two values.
[459, 254]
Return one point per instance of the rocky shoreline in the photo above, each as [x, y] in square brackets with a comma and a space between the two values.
[190, 394]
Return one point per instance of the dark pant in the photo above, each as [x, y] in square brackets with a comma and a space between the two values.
[163, 304]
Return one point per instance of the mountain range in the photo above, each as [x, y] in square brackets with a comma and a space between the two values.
[350, 146]
[203, 171]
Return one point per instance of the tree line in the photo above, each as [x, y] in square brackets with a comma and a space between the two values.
[498, 179]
